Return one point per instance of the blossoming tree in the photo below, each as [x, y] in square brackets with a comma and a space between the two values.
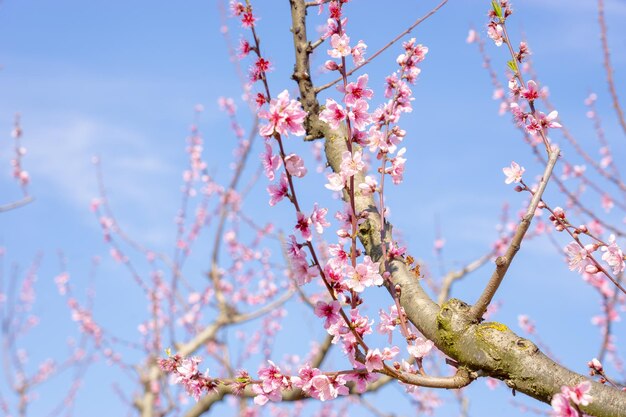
[386, 320]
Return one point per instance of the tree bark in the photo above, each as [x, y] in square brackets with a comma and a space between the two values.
[488, 348]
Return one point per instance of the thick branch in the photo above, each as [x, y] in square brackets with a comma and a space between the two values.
[490, 349]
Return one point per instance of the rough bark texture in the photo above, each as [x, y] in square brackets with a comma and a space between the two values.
[488, 348]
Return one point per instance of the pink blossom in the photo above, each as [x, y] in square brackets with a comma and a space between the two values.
[318, 218]
[332, 27]
[391, 83]
[278, 191]
[388, 322]
[270, 162]
[613, 256]
[328, 311]
[533, 126]
[562, 407]
[357, 53]
[373, 360]
[285, 116]
[492, 383]
[531, 92]
[578, 257]
[513, 173]
[351, 163]
[340, 256]
[356, 90]
[363, 275]
[358, 114]
[369, 186]
[324, 389]
[244, 48]
[303, 225]
[336, 182]
[303, 272]
[595, 365]
[579, 394]
[295, 165]
[187, 368]
[340, 44]
[526, 324]
[397, 167]
[607, 202]
[361, 379]
[549, 121]
[495, 32]
[333, 114]
[272, 383]
[420, 348]
[247, 20]
[471, 36]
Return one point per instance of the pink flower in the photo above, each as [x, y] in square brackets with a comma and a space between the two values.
[244, 48]
[359, 116]
[494, 31]
[328, 311]
[595, 365]
[304, 226]
[272, 382]
[340, 44]
[549, 121]
[421, 347]
[278, 191]
[607, 202]
[285, 116]
[373, 360]
[363, 275]
[270, 162]
[333, 114]
[318, 218]
[369, 186]
[336, 182]
[578, 257]
[351, 163]
[579, 394]
[357, 53]
[513, 173]
[562, 407]
[526, 324]
[613, 256]
[295, 165]
[361, 379]
[302, 271]
[531, 92]
[388, 322]
[396, 170]
[188, 368]
[356, 90]
[471, 36]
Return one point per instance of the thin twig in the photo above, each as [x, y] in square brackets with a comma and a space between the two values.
[503, 262]
[608, 67]
[16, 204]
[381, 50]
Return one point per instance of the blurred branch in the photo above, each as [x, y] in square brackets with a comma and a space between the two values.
[16, 204]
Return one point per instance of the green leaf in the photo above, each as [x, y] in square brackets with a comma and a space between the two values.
[512, 65]
[496, 8]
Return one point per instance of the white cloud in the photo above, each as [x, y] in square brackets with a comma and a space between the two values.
[60, 162]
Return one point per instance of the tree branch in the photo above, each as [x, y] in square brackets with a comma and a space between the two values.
[503, 262]
[490, 349]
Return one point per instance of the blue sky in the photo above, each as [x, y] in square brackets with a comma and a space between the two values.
[120, 80]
